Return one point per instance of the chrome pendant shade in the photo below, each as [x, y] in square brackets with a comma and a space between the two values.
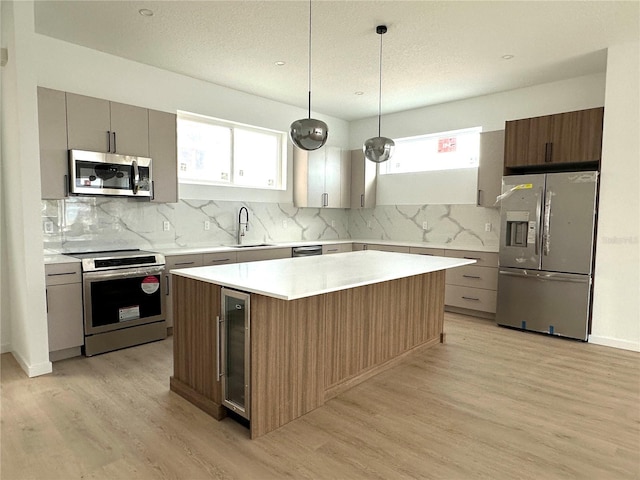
[309, 133]
[379, 149]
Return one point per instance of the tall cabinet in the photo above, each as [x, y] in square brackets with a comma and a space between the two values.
[322, 178]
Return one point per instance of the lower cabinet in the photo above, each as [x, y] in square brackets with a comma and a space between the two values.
[254, 255]
[175, 262]
[64, 310]
[472, 287]
[336, 248]
[381, 247]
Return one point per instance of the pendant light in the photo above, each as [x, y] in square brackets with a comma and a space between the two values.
[379, 149]
[309, 133]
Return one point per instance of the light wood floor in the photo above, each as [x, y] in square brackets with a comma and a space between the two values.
[490, 403]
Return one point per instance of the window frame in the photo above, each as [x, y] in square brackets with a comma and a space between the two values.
[384, 168]
[281, 149]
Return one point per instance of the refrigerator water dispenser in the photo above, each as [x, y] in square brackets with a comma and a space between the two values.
[517, 231]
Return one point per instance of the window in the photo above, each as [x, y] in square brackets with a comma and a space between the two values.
[440, 151]
[217, 152]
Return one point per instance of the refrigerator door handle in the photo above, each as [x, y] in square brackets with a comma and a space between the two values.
[546, 227]
[539, 221]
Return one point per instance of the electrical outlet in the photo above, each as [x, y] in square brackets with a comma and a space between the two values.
[207, 225]
[166, 226]
[48, 227]
[425, 225]
[487, 227]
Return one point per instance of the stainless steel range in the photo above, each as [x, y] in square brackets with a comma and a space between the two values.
[123, 297]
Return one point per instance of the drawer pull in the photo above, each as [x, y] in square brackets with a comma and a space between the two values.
[472, 258]
[221, 260]
[183, 263]
[472, 276]
[60, 274]
[471, 298]
[332, 250]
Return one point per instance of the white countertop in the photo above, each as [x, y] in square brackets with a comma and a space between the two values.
[293, 278]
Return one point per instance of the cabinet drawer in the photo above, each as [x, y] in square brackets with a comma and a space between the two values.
[470, 298]
[219, 258]
[483, 259]
[387, 248]
[473, 276]
[339, 248]
[62, 273]
[263, 254]
[183, 261]
[438, 252]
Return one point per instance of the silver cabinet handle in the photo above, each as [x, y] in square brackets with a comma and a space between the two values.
[184, 263]
[472, 258]
[60, 274]
[472, 276]
[471, 298]
[66, 186]
[221, 260]
[479, 194]
[362, 200]
[167, 280]
[538, 221]
[115, 149]
[109, 141]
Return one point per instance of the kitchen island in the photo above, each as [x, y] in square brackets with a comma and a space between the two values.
[316, 327]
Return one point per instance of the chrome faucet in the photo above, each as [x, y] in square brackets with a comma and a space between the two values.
[243, 227]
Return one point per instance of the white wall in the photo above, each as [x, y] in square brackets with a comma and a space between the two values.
[488, 111]
[23, 270]
[616, 306]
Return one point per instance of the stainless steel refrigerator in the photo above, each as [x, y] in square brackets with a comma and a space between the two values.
[546, 252]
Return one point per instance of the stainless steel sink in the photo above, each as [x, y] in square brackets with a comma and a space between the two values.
[253, 245]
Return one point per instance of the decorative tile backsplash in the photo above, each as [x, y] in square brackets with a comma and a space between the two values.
[463, 226]
[94, 223]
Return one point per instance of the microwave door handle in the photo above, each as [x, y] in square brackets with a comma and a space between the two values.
[136, 177]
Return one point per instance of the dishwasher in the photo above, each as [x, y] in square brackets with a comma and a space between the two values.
[307, 251]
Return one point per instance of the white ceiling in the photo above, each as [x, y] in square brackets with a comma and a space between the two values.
[434, 51]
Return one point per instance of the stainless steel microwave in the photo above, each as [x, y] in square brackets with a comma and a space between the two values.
[97, 173]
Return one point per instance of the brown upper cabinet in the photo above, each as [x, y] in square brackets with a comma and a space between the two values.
[553, 140]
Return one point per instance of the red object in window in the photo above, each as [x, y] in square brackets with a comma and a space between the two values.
[446, 145]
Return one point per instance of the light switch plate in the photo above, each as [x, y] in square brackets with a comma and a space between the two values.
[166, 226]
[48, 227]
[207, 225]
[425, 225]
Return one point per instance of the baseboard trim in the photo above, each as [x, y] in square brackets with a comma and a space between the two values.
[614, 343]
[5, 348]
[33, 370]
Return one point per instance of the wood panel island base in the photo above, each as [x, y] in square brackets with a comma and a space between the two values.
[318, 326]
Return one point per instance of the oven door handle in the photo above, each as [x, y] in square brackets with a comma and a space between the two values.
[123, 273]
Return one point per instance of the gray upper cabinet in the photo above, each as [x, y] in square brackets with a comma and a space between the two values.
[322, 178]
[52, 127]
[99, 125]
[363, 181]
[67, 121]
[164, 153]
[490, 169]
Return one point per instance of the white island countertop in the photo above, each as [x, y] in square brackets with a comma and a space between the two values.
[293, 278]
